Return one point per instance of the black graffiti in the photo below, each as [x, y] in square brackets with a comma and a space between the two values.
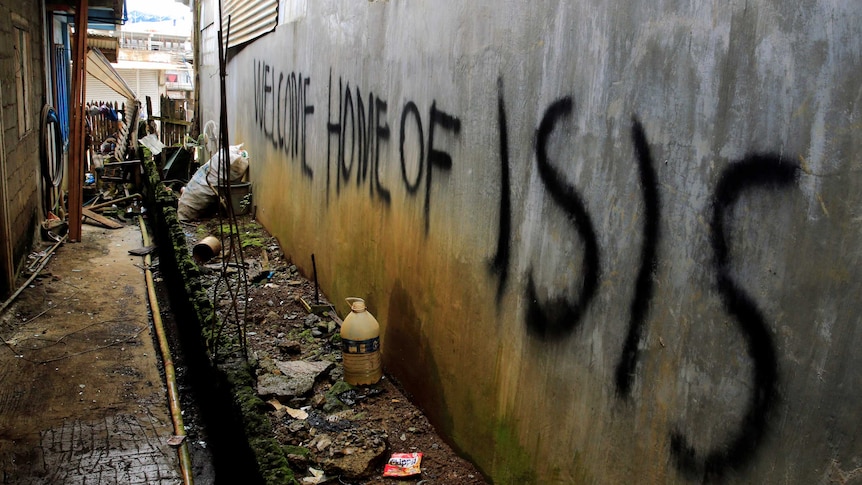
[411, 109]
[281, 111]
[437, 158]
[382, 132]
[500, 262]
[357, 132]
[644, 284]
[756, 171]
[358, 137]
[561, 315]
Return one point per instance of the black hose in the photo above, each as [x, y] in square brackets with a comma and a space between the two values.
[51, 172]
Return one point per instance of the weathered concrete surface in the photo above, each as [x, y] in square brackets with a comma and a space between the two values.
[294, 378]
[606, 240]
[82, 399]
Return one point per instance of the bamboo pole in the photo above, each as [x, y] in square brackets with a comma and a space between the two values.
[167, 360]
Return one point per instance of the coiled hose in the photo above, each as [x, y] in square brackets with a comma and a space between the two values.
[51, 161]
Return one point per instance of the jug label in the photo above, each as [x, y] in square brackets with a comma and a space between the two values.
[360, 346]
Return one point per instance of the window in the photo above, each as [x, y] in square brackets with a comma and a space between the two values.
[22, 79]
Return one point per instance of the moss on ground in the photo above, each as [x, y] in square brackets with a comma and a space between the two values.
[270, 456]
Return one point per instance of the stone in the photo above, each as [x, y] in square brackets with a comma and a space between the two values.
[323, 443]
[353, 460]
[297, 379]
[290, 347]
[296, 426]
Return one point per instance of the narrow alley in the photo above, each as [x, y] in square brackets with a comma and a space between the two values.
[83, 401]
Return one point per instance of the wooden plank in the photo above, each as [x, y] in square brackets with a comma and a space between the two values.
[111, 224]
[142, 251]
[172, 121]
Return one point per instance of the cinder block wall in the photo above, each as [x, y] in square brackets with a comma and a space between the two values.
[608, 241]
[21, 128]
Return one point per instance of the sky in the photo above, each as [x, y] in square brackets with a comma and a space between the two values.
[169, 8]
[179, 14]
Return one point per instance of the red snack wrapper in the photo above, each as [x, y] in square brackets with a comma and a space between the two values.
[403, 465]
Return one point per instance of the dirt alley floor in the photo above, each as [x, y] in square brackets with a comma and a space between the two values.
[82, 400]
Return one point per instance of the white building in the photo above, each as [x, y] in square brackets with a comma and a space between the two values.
[154, 58]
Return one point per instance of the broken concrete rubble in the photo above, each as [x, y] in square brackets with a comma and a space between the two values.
[294, 379]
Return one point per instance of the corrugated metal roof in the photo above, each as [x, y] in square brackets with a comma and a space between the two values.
[249, 19]
[106, 44]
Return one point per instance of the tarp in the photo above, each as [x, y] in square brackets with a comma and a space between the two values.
[99, 67]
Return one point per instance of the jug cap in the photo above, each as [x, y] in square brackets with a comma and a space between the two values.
[356, 304]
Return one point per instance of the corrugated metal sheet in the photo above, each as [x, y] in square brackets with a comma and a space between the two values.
[97, 91]
[249, 19]
[99, 67]
[146, 83]
[143, 82]
[106, 44]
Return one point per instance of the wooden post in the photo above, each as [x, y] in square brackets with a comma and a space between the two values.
[76, 147]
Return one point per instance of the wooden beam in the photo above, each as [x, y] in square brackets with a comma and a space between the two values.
[172, 121]
[76, 146]
[109, 223]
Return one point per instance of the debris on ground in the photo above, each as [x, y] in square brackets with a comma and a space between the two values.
[403, 465]
[198, 196]
[332, 432]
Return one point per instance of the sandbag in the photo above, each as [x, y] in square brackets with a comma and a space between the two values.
[199, 197]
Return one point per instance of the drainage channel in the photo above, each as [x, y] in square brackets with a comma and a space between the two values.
[218, 449]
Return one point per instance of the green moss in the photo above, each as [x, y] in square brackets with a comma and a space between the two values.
[253, 242]
[270, 456]
[339, 387]
[296, 450]
[251, 234]
[333, 404]
[513, 462]
[306, 336]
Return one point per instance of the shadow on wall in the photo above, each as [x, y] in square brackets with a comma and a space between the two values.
[407, 357]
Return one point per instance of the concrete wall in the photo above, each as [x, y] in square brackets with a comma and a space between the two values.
[20, 138]
[608, 241]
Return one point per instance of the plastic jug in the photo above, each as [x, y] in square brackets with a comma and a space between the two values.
[360, 345]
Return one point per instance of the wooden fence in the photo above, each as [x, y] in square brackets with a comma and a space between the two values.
[103, 121]
[174, 118]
